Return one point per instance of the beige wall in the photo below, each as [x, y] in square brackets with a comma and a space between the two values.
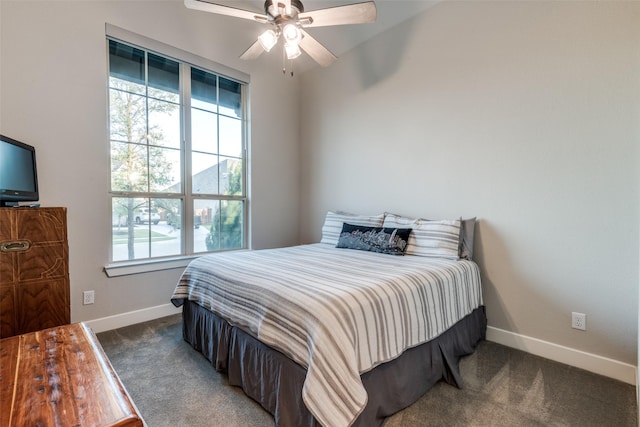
[525, 114]
[53, 96]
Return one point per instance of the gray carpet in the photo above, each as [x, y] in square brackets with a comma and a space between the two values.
[173, 385]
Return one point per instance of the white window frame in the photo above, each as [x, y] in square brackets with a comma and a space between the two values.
[120, 268]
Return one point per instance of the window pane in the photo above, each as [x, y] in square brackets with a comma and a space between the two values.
[164, 78]
[227, 228]
[165, 170]
[204, 213]
[165, 238]
[173, 215]
[231, 177]
[204, 90]
[230, 98]
[127, 63]
[205, 174]
[129, 241]
[204, 131]
[231, 224]
[230, 137]
[164, 123]
[141, 228]
[128, 116]
[128, 167]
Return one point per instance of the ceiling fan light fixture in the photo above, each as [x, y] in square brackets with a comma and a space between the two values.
[268, 39]
[289, 19]
[292, 34]
[292, 50]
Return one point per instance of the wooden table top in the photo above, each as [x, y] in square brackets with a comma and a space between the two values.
[61, 377]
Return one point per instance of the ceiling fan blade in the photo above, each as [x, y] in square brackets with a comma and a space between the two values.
[224, 10]
[315, 50]
[253, 51]
[358, 13]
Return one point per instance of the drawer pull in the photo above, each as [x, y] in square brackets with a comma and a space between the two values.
[15, 246]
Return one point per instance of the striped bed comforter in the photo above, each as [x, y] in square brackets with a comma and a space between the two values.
[336, 312]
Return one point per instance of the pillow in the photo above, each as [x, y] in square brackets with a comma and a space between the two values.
[392, 220]
[467, 227]
[392, 241]
[333, 224]
[439, 239]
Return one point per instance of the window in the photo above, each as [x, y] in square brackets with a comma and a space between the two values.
[178, 156]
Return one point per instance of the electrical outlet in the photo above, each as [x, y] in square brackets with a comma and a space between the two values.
[579, 321]
[88, 297]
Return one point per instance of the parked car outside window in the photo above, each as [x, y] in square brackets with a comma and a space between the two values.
[146, 215]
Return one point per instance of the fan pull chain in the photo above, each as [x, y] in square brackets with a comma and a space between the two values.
[284, 63]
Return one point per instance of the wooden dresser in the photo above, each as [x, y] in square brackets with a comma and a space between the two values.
[60, 377]
[34, 269]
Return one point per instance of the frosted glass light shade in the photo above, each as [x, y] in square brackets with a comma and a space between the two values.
[291, 34]
[268, 39]
[292, 49]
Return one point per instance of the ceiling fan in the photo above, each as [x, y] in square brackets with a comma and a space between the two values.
[287, 19]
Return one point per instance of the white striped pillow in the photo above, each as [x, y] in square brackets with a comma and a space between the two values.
[334, 220]
[439, 239]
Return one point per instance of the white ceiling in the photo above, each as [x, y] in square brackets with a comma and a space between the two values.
[342, 38]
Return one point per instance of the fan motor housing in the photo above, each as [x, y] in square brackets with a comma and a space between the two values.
[272, 8]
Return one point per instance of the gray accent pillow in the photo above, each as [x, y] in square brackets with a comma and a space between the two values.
[467, 228]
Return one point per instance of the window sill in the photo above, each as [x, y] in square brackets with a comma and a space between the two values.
[146, 266]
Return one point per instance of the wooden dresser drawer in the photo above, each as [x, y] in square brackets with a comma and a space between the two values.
[34, 270]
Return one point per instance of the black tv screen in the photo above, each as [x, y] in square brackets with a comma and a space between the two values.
[18, 176]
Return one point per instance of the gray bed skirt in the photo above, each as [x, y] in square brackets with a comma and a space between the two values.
[275, 381]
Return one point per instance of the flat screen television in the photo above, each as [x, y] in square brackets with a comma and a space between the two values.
[18, 176]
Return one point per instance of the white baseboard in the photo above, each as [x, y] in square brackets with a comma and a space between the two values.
[132, 317]
[590, 362]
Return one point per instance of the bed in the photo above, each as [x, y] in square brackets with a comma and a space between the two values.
[322, 335]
